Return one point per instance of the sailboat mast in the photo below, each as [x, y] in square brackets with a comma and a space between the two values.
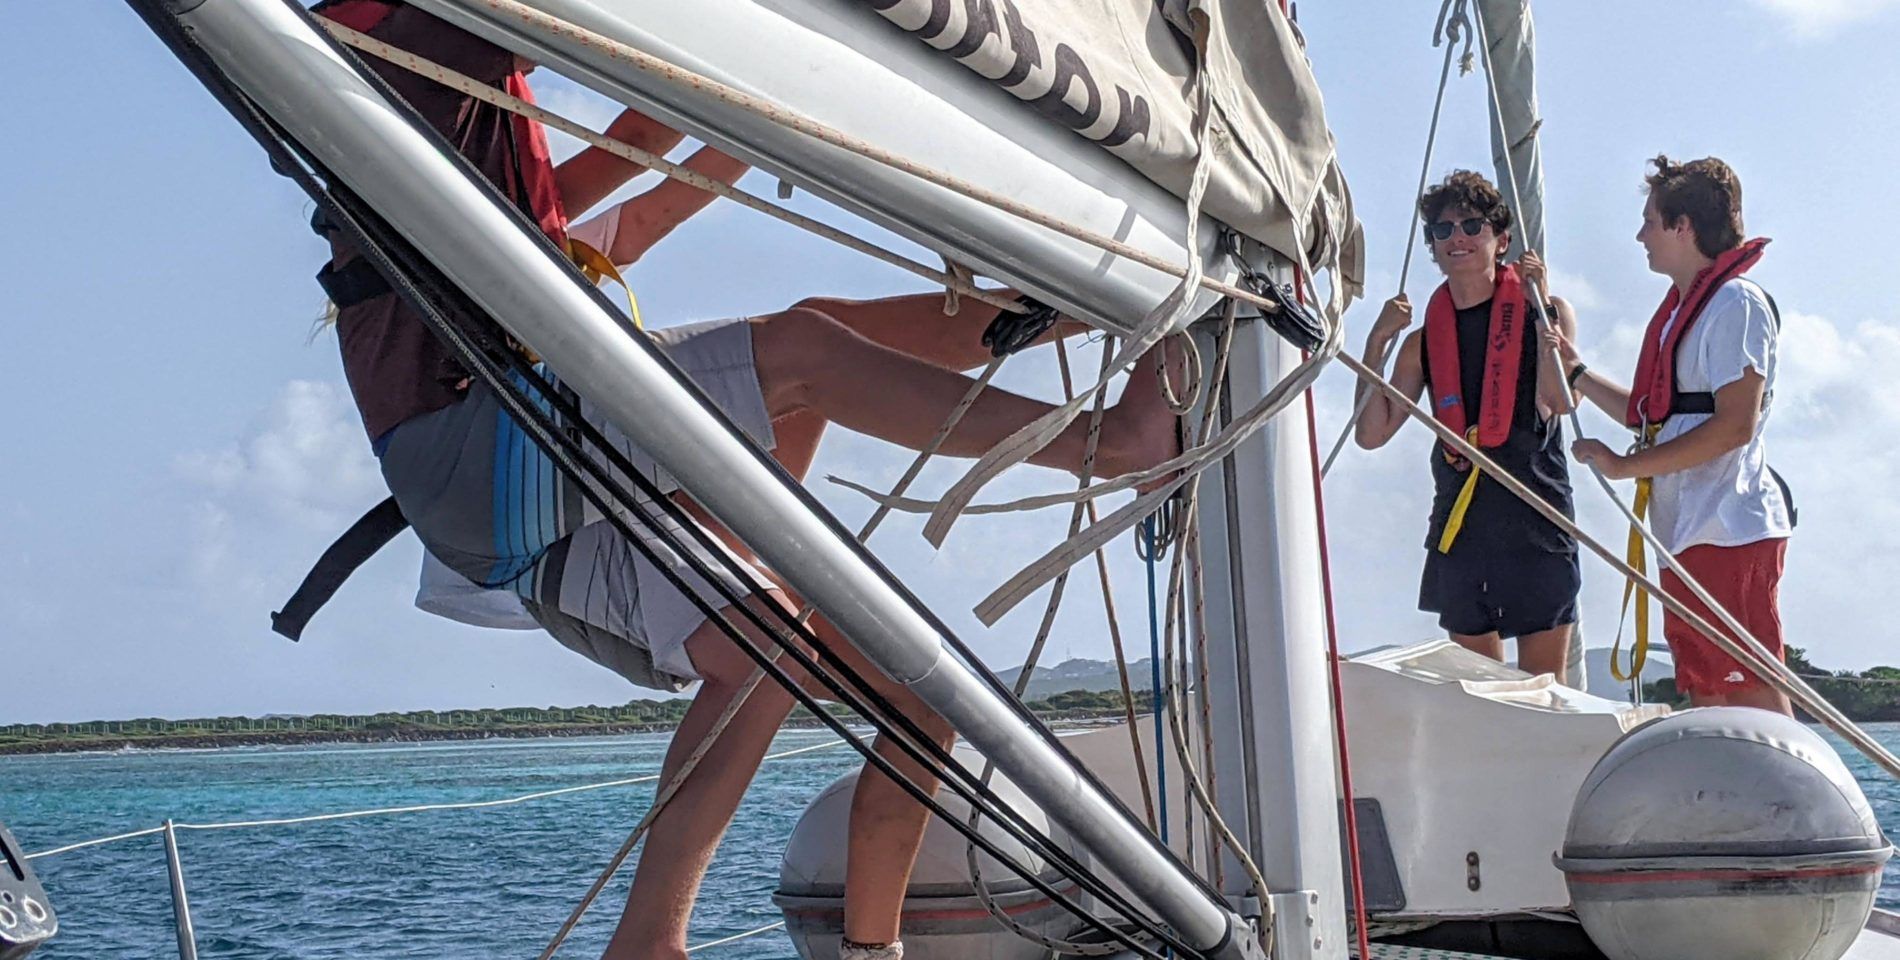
[273, 55]
[1266, 647]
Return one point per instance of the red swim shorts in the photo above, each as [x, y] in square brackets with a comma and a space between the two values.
[1745, 580]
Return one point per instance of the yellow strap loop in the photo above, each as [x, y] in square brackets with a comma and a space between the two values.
[1638, 558]
[1456, 520]
[595, 265]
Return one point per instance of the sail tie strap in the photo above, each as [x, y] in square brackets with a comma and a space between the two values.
[1455, 521]
[594, 265]
[1637, 556]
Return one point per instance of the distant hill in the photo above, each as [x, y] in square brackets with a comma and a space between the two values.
[1080, 674]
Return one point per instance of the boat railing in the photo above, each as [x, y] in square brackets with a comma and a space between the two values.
[181, 907]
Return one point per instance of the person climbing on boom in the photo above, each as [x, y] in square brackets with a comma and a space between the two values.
[1704, 381]
[490, 505]
[1494, 568]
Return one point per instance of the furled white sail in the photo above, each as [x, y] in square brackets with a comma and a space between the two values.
[843, 65]
[1117, 72]
[1511, 58]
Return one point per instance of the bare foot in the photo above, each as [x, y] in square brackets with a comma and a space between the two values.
[1142, 430]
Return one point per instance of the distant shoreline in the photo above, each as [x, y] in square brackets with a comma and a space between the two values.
[265, 738]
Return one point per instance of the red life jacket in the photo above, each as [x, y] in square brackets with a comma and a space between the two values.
[1503, 355]
[532, 159]
[1653, 392]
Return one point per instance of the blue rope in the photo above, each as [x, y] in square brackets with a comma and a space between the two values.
[1154, 667]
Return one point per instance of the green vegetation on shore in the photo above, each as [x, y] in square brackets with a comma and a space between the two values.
[632, 717]
[1866, 696]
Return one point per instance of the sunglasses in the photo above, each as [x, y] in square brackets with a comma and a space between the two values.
[1472, 226]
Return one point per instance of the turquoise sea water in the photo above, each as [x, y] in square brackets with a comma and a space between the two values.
[456, 884]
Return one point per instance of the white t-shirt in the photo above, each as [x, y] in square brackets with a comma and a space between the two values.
[1731, 500]
[446, 593]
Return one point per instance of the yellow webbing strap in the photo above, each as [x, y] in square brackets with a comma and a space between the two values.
[595, 265]
[1455, 521]
[1638, 557]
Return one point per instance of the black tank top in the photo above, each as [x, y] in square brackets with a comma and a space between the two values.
[1534, 453]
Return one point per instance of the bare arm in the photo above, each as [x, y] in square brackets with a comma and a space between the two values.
[1383, 415]
[1555, 397]
[1609, 396]
[586, 178]
[646, 219]
[1737, 411]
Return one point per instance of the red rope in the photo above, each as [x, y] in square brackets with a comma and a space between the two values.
[1332, 654]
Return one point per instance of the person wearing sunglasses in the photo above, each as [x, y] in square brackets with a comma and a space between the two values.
[1495, 569]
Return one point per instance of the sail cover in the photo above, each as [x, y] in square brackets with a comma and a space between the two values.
[1510, 54]
[1118, 72]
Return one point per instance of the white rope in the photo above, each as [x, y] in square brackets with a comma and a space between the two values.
[1748, 651]
[952, 281]
[735, 938]
[792, 120]
[1165, 699]
[758, 675]
[56, 851]
[387, 811]
[1452, 25]
[1027, 673]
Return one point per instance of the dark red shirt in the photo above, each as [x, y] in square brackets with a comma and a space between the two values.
[395, 365]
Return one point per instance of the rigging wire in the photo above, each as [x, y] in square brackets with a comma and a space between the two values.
[551, 439]
[1453, 24]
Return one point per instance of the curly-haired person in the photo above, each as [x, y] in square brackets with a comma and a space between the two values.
[1494, 567]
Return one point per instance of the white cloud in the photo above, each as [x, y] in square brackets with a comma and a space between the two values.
[306, 460]
[1576, 288]
[261, 503]
[1814, 19]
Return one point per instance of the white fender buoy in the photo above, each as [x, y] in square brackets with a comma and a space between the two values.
[1724, 833]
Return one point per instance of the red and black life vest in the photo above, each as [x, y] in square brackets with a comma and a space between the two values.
[1503, 358]
[1653, 394]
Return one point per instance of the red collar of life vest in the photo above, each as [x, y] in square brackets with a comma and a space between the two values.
[1652, 393]
[533, 160]
[1503, 355]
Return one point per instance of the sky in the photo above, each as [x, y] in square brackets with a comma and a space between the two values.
[183, 446]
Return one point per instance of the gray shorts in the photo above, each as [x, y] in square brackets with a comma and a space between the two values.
[490, 504]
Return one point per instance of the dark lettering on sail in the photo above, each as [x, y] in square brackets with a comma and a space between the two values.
[1046, 85]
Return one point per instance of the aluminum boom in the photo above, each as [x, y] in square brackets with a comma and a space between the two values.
[273, 54]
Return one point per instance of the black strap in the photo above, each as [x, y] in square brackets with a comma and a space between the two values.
[357, 544]
[353, 284]
[1012, 331]
[1702, 401]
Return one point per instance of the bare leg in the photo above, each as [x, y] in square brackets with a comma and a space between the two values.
[886, 825]
[1759, 697]
[1546, 651]
[1489, 644]
[807, 361]
[915, 324]
[797, 435]
[680, 843]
